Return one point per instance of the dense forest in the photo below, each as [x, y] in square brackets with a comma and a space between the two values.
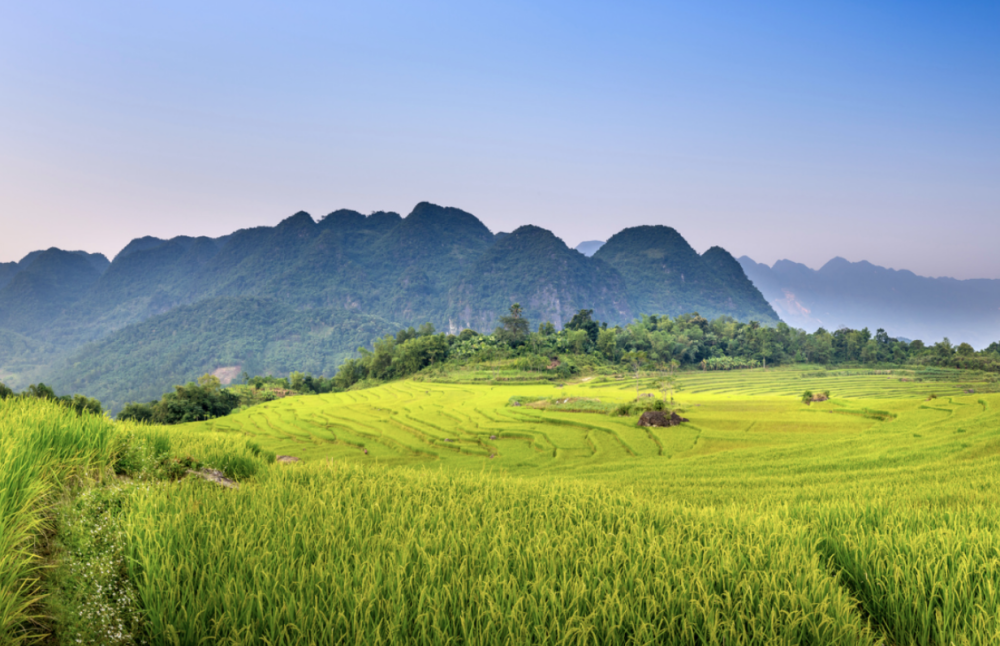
[253, 335]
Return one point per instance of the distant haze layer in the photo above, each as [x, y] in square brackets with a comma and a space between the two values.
[860, 294]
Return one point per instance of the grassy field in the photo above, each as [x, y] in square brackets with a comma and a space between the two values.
[437, 513]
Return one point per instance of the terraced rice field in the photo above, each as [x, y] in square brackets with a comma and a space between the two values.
[437, 513]
[473, 426]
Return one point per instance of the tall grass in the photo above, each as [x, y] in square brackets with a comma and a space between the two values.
[41, 445]
[926, 576]
[335, 554]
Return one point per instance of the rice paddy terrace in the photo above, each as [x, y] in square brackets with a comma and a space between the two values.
[870, 518]
[757, 414]
[441, 513]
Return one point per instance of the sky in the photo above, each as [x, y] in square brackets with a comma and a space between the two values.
[798, 130]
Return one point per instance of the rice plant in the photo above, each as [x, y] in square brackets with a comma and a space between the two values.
[42, 445]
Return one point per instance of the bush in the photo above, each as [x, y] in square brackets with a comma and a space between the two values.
[137, 412]
[565, 370]
[142, 455]
[520, 400]
[640, 406]
[236, 467]
[623, 410]
[258, 452]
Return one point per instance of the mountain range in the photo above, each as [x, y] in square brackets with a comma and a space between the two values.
[303, 295]
[860, 294]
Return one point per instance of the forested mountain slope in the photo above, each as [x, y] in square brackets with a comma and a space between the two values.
[533, 267]
[860, 294]
[438, 264]
[665, 275]
[229, 335]
[46, 284]
[7, 271]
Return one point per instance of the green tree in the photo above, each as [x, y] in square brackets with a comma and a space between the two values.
[514, 327]
[577, 341]
[191, 403]
[870, 352]
[304, 383]
[634, 360]
[39, 391]
[943, 349]
[583, 320]
[607, 344]
[137, 412]
[82, 404]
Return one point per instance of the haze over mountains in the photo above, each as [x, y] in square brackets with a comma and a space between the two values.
[589, 247]
[303, 295]
[860, 294]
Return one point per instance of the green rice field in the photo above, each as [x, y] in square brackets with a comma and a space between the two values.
[439, 513]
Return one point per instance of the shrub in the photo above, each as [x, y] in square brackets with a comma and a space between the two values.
[236, 467]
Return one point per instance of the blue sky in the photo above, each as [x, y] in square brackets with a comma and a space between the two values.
[800, 130]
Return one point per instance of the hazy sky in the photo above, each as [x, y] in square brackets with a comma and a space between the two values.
[800, 130]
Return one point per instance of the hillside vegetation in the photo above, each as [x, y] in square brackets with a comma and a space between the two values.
[429, 513]
[253, 335]
[665, 275]
[65, 317]
[583, 347]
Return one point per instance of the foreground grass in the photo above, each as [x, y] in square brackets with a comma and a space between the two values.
[348, 554]
[42, 446]
[439, 514]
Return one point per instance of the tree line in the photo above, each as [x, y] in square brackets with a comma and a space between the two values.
[653, 342]
[650, 343]
[78, 403]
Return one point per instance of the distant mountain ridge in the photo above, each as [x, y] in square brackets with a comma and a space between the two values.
[589, 247]
[663, 273]
[8, 270]
[71, 319]
[860, 294]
